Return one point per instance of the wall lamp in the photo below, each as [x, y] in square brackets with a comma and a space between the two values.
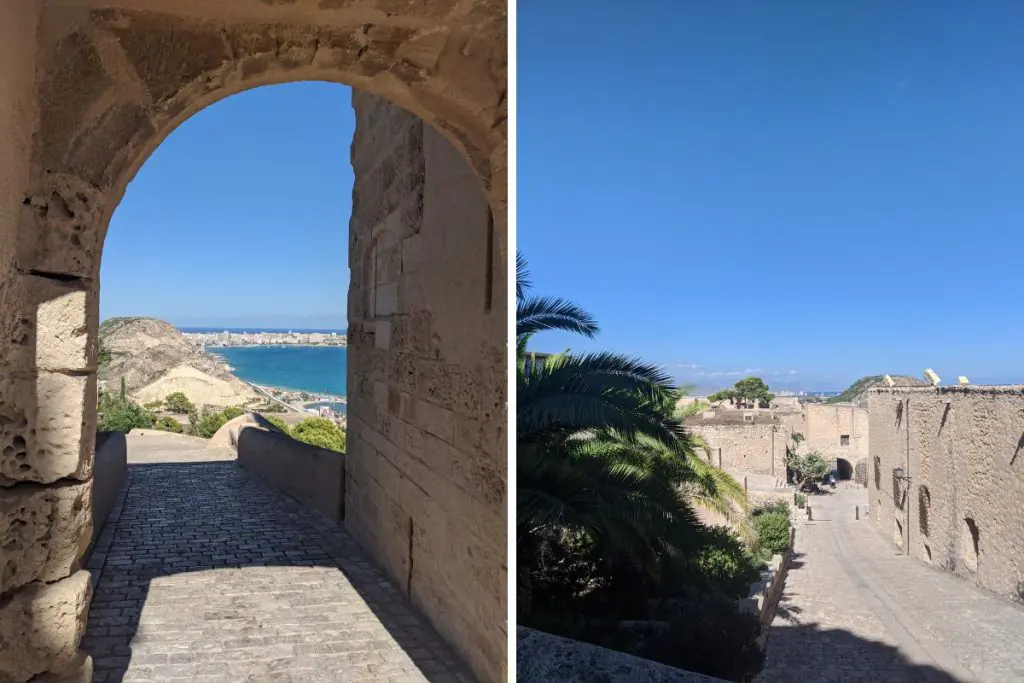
[900, 474]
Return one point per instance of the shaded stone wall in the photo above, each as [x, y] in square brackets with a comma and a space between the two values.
[963, 449]
[425, 470]
[754, 448]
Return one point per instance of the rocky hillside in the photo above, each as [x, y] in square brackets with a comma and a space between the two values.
[145, 350]
[857, 393]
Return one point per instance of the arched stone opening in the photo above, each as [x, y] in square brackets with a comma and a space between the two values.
[970, 539]
[91, 89]
[844, 469]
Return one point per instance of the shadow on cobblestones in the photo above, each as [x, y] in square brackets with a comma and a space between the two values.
[203, 573]
[804, 653]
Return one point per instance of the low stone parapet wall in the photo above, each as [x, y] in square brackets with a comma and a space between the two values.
[108, 474]
[765, 593]
[315, 476]
[542, 657]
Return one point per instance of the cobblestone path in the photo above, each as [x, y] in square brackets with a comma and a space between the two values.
[856, 609]
[203, 573]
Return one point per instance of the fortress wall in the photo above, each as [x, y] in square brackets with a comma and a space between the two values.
[963, 451]
[754, 448]
[426, 463]
[826, 424]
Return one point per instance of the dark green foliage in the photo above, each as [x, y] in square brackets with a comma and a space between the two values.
[752, 389]
[169, 424]
[103, 357]
[320, 432]
[178, 402]
[122, 415]
[607, 480]
[725, 564]
[772, 531]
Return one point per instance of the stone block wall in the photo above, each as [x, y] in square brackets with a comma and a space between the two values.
[963, 451]
[754, 448]
[826, 424]
[425, 471]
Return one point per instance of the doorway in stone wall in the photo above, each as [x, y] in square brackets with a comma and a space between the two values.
[224, 288]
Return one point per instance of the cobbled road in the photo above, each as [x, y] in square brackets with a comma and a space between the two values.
[856, 609]
[203, 573]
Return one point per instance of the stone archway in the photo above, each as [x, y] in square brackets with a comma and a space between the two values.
[90, 89]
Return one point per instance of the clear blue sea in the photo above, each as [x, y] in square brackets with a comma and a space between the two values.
[317, 369]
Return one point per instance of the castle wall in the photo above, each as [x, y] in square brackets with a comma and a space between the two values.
[960, 509]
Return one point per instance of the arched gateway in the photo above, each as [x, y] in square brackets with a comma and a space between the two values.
[88, 89]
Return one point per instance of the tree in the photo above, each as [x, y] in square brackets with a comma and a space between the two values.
[103, 357]
[320, 432]
[598, 449]
[807, 469]
[124, 416]
[278, 423]
[750, 390]
[178, 402]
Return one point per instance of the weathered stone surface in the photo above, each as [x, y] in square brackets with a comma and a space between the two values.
[59, 232]
[79, 671]
[44, 531]
[542, 657]
[962, 451]
[41, 626]
[42, 422]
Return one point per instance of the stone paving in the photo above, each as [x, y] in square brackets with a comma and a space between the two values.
[856, 609]
[203, 573]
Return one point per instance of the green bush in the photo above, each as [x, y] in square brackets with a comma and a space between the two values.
[124, 416]
[278, 423]
[208, 423]
[320, 432]
[800, 500]
[169, 424]
[178, 402]
[725, 564]
[232, 412]
[774, 507]
[772, 531]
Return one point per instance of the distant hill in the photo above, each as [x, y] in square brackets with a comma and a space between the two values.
[147, 351]
[857, 392]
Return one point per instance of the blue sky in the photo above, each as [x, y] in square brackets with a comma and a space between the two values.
[240, 218]
[808, 191]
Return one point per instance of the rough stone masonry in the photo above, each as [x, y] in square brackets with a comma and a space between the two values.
[88, 89]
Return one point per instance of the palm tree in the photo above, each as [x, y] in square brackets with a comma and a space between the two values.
[598, 447]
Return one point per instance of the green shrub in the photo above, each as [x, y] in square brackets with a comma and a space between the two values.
[725, 564]
[178, 402]
[800, 500]
[208, 423]
[278, 423]
[774, 507]
[320, 432]
[232, 412]
[169, 424]
[772, 531]
[124, 416]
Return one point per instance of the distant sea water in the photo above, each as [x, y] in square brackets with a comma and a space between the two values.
[316, 369]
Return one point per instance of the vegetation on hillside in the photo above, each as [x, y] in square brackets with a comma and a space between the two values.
[177, 402]
[856, 391]
[608, 480]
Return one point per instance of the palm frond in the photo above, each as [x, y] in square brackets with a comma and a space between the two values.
[538, 314]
